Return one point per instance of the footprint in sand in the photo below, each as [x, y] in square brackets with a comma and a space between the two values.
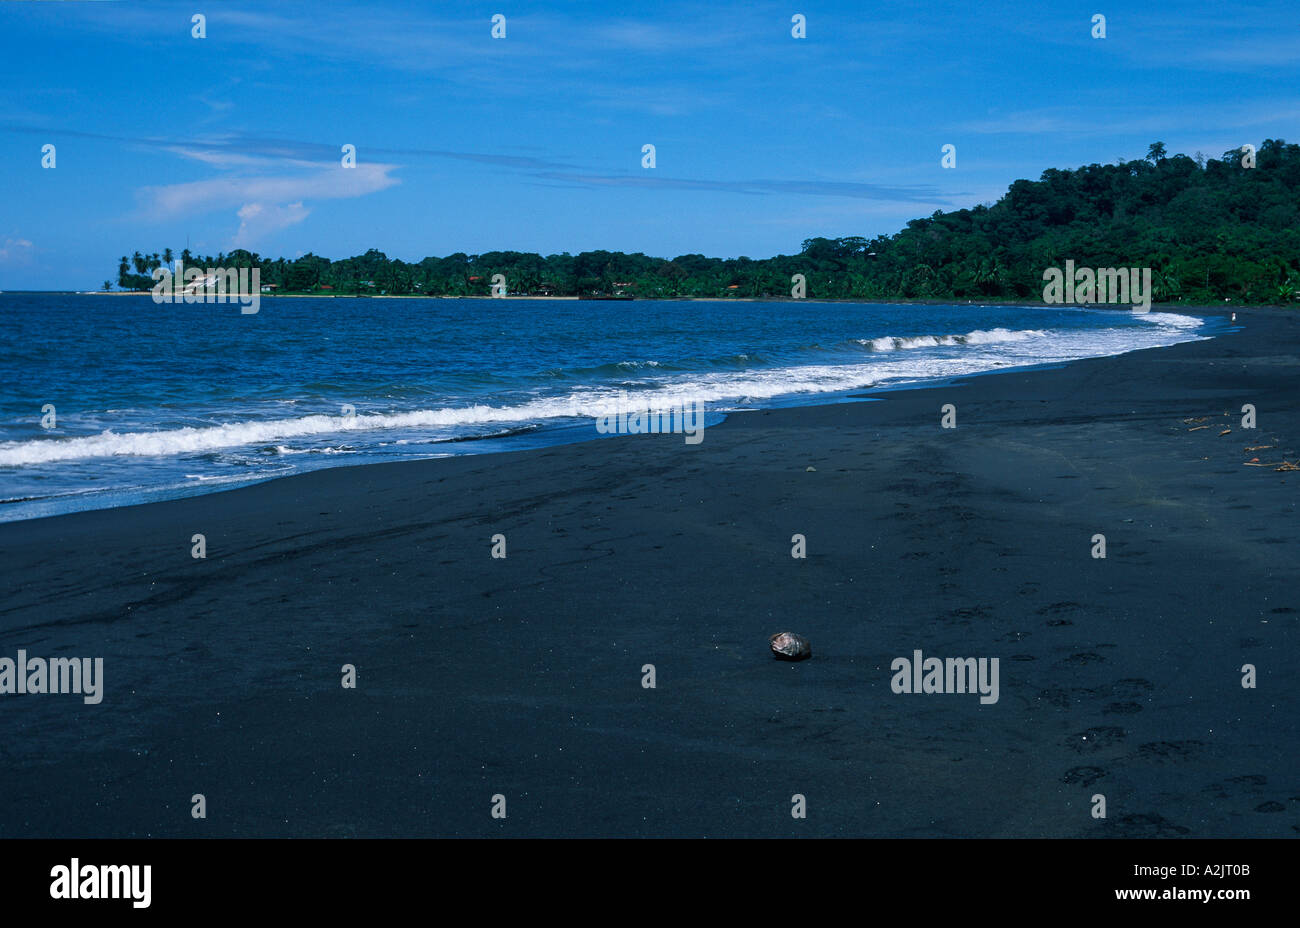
[1059, 608]
[1170, 750]
[1083, 776]
[1096, 738]
[1083, 659]
[1232, 787]
[1148, 825]
[1121, 708]
[1057, 612]
[1130, 688]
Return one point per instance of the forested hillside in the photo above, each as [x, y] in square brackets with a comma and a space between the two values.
[1209, 230]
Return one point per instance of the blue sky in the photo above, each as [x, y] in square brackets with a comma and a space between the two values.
[533, 142]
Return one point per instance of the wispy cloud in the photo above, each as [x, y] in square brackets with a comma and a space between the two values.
[309, 170]
[1252, 37]
[1076, 120]
[257, 220]
[241, 149]
[15, 251]
[450, 46]
[281, 194]
[914, 193]
[267, 185]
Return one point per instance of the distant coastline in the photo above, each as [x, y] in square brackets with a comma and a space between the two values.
[870, 301]
[1199, 231]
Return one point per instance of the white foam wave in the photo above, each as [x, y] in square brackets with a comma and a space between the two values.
[977, 337]
[720, 389]
[1176, 320]
[285, 449]
[264, 431]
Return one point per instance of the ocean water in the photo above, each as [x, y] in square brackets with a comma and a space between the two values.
[157, 401]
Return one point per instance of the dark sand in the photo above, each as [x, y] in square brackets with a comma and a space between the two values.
[523, 676]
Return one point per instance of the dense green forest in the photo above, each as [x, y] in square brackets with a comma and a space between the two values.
[1209, 230]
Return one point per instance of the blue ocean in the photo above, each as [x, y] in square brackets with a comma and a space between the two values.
[153, 401]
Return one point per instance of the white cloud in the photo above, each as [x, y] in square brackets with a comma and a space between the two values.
[257, 220]
[264, 202]
[15, 251]
[320, 183]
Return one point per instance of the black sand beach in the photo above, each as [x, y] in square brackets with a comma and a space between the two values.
[522, 676]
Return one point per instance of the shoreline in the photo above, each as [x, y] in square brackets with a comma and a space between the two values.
[522, 676]
[1119, 307]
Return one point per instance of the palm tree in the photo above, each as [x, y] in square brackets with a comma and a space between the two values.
[167, 257]
[139, 261]
[123, 268]
[988, 276]
[1166, 284]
